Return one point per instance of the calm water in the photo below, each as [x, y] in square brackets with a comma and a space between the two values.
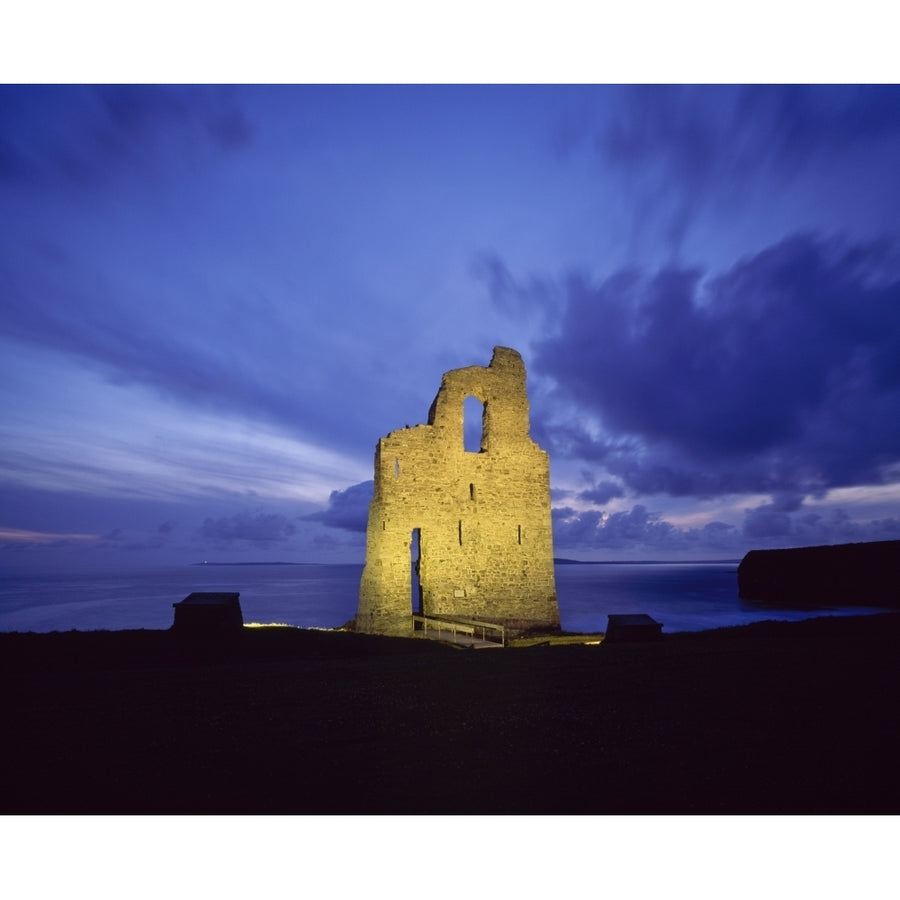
[684, 597]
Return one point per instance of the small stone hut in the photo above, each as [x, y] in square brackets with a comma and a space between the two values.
[208, 613]
[632, 627]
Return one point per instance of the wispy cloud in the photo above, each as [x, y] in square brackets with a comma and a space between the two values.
[23, 537]
[260, 528]
[688, 151]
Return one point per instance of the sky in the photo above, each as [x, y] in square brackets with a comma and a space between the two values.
[215, 299]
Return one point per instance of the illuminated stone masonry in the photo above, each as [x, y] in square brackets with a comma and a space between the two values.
[481, 520]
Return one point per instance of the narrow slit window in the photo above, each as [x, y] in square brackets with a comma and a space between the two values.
[460, 532]
[519, 527]
[396, 467]
[471, 491]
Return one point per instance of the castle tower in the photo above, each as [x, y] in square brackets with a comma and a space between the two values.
[481, 519]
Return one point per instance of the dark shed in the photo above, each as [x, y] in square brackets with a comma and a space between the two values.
[632, 627]
[208, 613]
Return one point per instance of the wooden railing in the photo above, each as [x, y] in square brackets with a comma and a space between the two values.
[485, 631]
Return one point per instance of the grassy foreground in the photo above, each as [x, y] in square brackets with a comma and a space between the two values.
[770, 718]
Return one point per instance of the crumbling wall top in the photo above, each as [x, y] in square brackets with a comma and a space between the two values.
[500, 386]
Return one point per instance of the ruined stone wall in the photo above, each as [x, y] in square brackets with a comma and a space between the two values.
[485, 539]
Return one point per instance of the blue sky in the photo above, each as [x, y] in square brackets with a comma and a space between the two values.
[214, 301]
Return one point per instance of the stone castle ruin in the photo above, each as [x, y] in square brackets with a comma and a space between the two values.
[454, 534]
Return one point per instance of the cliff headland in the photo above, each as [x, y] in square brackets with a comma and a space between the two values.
[865, 574]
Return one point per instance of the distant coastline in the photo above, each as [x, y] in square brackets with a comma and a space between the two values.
[206, 563]
[562, 561]
[559, 561]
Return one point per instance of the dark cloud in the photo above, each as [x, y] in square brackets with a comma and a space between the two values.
[594, 529]
[602, 493]
[781, 374]
[509, 295]
[136, 112]
[636, 528]
[797, 121]
[263, 529]
[767, 521]
[771, 525]
[682, 148]
[347, 509]
[230, 127]
[86, 133]
[572, 528]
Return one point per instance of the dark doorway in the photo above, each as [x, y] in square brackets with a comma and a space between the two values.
[415, 556]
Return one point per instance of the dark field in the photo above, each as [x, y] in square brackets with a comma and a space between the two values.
[769, 718]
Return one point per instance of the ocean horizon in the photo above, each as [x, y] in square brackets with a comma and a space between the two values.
[683, 596]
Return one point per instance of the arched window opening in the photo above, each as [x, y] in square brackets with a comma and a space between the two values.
[473, 424]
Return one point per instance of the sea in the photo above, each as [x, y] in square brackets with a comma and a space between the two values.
[682, 596]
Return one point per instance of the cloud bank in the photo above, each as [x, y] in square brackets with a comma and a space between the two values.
[347, 509]
[780, 374]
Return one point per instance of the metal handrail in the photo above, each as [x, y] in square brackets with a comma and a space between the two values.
[461, 626]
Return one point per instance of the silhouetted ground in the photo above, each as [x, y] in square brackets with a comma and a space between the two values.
[771, 718]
